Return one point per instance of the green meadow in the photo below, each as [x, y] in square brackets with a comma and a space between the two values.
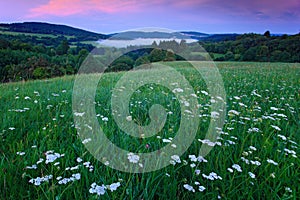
[255, 156]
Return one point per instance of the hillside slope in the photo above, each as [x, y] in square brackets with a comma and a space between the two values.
[54, 29]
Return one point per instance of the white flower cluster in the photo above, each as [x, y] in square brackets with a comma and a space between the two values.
[73, 178]
[100, 190]
[237, 167]
[212, 176]
[251, 175]
[272, 161]
[133, 158]
[39, 180]
[193, 158]
[209, 143]
[52, 156]
[191, 188]
[175, 159]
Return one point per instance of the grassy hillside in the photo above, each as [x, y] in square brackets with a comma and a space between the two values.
[256, 157]
[52, 29]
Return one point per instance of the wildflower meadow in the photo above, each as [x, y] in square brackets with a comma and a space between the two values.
[255, 156]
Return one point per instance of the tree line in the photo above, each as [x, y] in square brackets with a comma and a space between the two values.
[28, 57]
[256, 47]
[24, 57]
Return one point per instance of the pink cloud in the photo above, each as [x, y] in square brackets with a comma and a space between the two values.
[231, 9]
[72, 7]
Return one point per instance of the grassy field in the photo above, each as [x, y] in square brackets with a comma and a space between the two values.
[256, 156]
[5, 32]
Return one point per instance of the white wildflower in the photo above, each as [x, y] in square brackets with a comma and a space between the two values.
[230, 170]
[233, 112]
[251, 174]
[21, 153]
[114, 186]
[77, 114]
[272, 162]
[201, 188]
[189, 187]
[133, 158]
[237, 167]
[166, 140]
[176, 158]
[177, 90]
[282, 137]
[276, 128]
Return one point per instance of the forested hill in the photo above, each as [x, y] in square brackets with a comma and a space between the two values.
[54, 29]
[256, 47]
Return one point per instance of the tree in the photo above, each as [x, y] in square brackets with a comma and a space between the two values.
[267, 34]
[40, 73]
[157, 55]
[170, 56]
[63, 48]
[141, 61]
[122, 63]
[229, 56]
[250, 54]
[263, 53]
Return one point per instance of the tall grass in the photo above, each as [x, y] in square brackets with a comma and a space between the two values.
[260, 136]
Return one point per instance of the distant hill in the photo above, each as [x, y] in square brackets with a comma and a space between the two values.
[195, 35]
[219, 37]
[54, 29]
[131, 35]
[83, 35]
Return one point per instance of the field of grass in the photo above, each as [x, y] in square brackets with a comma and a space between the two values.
[255, 157]
[5, 32]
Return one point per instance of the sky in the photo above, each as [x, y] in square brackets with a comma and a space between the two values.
[208, 16]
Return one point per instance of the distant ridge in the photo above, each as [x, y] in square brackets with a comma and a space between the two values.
[46, 28]
[83, 35]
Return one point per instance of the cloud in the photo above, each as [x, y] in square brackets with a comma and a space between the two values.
[261, 15]
[258, 9]
[72, 7]
[216, 9]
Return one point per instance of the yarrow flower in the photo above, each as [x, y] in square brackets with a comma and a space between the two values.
[276, 128]
[175, 159]
[77, 114]
[272, 162]
[189, 187]
[51, 157]
[39, 180]
[79, 160]
[21, 153]
[201, 188]
[237, 167]
[233, 112]
[230, 170]
[114, 186]
[71, 179]
[133, 158]
[251, 174]
[212, 176]
[177, 90]
[96, 189]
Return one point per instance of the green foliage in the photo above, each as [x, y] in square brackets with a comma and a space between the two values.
[141, 60]
[255, 47]
[157, 55]
[40, 73]
[23, 57]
